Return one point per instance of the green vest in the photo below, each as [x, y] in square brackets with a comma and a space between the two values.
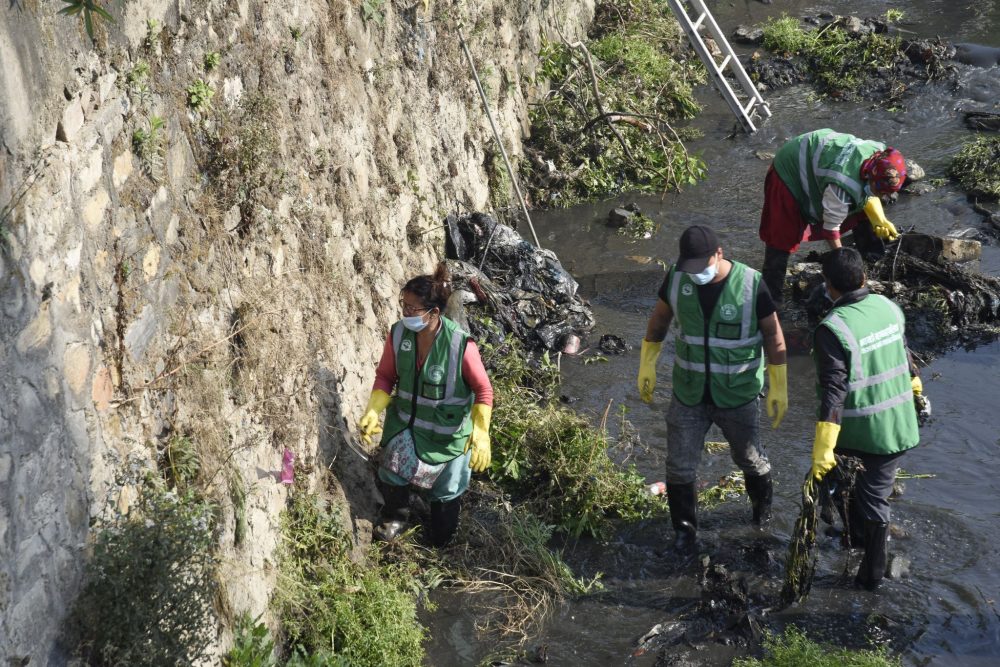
[435, 402]
[810, 162]
[878, 415]
[732, 347]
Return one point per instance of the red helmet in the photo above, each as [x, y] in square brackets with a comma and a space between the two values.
[885, 171]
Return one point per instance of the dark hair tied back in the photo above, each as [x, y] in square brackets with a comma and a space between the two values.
[432, 290]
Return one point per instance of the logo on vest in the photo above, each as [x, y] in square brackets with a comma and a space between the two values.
[687, 290]
[728, 311]
[435, 374]
[406, 346]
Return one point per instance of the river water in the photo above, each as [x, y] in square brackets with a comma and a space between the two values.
[947, 611]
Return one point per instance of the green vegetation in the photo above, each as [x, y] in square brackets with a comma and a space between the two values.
[794, 649]
[212, 60]
[639, 226]
[551, 459]
[296, 32]
[199, 96]
[605, 125]
[149, 145]
[87, 9]
[841, 62]
[254, 647]
[362, 612]
[149, 585]
[153, 30]
[728, 488]
[372, 11]
[977, 166]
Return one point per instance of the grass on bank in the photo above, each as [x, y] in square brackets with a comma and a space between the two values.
[605, 124]
[793, 649]
[977, 166]
[842, 63]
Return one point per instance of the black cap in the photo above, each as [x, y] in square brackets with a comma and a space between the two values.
[698, 244]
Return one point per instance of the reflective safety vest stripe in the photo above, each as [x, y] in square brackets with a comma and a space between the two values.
[878, 414]
[731, 351]
[811, 162]
[435, 402]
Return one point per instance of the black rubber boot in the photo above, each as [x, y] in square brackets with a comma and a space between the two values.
[444, 521]
[760, 488]
[856, 537]
[773, 273]
[683, 502]
[395, 512]
[872, 568]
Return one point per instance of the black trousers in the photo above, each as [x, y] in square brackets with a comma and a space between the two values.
[873, 487]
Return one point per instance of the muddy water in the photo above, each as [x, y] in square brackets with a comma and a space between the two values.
[946, 612]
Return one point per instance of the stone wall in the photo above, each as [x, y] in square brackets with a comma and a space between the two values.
[238, 299]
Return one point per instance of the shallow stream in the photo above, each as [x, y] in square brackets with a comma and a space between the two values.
[946, 611]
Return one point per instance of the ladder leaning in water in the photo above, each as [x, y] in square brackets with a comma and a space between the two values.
[743, 103]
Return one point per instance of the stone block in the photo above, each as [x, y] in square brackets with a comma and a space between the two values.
[140, 333]
[935, 248]
[70, 122]
[36, 335]
[76, 367]
[93, 210]
[89, 173]
[961, 250]
[6, 464]
[102, 389]
[151, 262]
[121, 169]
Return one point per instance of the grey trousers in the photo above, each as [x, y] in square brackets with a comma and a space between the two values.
[873, 486]
[686, 429]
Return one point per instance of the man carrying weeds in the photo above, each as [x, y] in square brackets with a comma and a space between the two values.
[726, 320]
[866, 383]
[821, 185]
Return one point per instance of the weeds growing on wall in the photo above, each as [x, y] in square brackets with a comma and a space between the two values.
[605, 125]
[842, 63]
[550, 458]
[149, 584]
[977, 166]
[364, 613]
[793, 649]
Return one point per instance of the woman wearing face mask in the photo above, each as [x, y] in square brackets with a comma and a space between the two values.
[726, 322]
[436, 430]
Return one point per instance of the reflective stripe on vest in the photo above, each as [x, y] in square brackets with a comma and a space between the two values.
[455, 347]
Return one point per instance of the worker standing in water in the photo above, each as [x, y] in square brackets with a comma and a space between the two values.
[726, 321]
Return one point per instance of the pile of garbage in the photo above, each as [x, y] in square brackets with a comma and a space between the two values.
[512, 288]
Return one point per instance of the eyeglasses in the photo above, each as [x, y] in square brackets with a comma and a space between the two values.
[411, 310]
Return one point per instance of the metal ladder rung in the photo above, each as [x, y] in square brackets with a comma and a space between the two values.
[697, 24]
[746, 109]
[722, 65]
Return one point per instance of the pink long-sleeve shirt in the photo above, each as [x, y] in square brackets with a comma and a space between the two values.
[473, 372]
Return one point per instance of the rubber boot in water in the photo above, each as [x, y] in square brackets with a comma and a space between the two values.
[773, 273]
[444, 521]
[872, 568]
[857, 536]
[683, 502]
[395, 512]
[761, 490]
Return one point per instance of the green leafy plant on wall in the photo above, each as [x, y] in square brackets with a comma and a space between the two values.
[87, 9]
[200, 96]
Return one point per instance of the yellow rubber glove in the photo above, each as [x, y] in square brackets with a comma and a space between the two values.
[479, 441]
[883, 229]
[647, 369]
[918, 386]
[826, 440]
[368, 425]
[777, 394]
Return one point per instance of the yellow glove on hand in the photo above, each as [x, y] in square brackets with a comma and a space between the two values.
[368, 425]
[826, 440]
[883, 229]
[777, 394]
[479, 441]
[647, 369]
[918, 386]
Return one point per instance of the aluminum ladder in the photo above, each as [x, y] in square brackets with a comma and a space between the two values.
[744, 108]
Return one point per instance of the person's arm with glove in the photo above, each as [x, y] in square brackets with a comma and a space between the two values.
[656, 331]
[777, 368]
[833, 382]
[474, 374]
[385, 381]
[883, 229]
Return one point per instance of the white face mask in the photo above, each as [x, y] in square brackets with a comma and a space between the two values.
[706, 276]
[415, 323]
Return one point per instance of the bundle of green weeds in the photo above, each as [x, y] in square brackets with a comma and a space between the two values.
[551, 459]
[605, 124]
[977, 166]
[801, 564]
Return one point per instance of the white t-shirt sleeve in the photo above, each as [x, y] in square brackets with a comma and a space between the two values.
[836, 205]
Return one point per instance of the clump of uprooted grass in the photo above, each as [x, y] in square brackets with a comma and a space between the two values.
[552, 460]
[793, 649]
[841, 62]
[977, 166]
[606, 123]
[359, 613]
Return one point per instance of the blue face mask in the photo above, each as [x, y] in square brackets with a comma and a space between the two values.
[706, 276]
[415, 323]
